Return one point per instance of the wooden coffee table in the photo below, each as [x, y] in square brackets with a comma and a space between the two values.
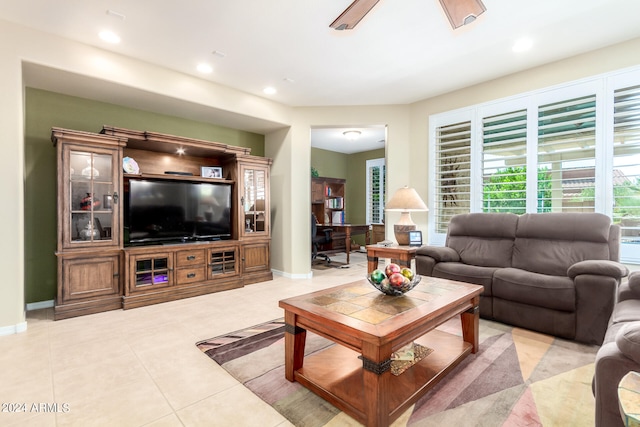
[399, 254]
[356, 376]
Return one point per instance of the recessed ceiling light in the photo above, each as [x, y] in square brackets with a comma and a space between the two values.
[270, 90]
[205, 68]
[109, 36]
[522, 45]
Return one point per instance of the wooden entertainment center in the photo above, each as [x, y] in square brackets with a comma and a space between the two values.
[97, 271]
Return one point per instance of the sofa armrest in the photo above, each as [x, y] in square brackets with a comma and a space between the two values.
[630, 289]
[599, 268]
[439, 253]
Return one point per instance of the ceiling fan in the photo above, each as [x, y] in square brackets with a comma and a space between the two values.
[459, 12]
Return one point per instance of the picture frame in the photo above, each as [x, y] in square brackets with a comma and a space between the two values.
[415, 238]
[211, 172]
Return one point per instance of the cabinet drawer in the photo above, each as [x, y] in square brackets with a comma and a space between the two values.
[190, 275]
[190, 258]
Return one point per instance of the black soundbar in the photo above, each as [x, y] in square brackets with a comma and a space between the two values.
[178, 173]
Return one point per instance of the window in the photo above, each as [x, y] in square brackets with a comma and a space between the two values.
[571, 148]
[626, 163]
[504, 163]
[566, 155]
[376, 177]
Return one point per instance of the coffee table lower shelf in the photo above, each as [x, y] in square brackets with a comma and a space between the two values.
[336, 375]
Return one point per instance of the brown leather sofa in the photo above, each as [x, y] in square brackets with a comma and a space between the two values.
[555, 273]
[619, 354]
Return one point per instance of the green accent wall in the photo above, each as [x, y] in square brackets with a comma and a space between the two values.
[353, 168]
[330, 164]
[44, 110]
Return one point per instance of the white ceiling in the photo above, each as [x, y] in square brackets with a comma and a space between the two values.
[401, 52]
[333, 139]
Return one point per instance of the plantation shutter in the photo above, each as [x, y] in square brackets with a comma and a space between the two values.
[504, 162]
[626, 162]
[566, 155]
[376, 183]
[453, 173]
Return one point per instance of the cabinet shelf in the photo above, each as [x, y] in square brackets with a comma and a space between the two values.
[97, 273]
[178, 177]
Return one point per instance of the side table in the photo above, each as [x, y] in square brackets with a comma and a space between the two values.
[629, 399]
[401, 255]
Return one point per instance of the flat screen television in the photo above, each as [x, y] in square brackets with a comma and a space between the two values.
[158, 211]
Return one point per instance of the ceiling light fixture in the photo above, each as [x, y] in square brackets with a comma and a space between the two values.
[462, 12]
[109, 36]
[205, 68]
[351, 135]
[270, 90]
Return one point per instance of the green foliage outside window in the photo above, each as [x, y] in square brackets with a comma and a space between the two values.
[506, 191]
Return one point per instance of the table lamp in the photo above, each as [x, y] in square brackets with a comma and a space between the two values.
[405, 200]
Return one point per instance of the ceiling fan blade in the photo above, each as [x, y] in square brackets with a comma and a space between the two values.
[353, 14]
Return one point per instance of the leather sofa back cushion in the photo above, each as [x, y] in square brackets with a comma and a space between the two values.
[550, 243]
[483, 240]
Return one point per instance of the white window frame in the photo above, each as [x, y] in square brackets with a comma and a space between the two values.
[603, 86]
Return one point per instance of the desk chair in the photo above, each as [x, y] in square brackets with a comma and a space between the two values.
[316, 241]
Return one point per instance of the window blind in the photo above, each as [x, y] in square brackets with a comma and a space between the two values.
[566, 155]
[453, 172]
[504, 162]
[376, 183]
[626, 162]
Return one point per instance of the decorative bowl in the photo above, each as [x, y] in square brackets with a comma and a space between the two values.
[393, 290]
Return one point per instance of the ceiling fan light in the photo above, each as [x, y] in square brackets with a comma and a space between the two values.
[462, 12]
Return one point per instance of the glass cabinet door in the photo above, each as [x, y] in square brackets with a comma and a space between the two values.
[91, 198]
[254, 197]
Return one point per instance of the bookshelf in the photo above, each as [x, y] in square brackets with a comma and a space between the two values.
[327, 200]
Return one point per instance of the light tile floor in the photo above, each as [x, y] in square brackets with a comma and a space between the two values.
[141, 367]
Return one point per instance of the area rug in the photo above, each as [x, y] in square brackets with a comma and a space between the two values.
[517, 378]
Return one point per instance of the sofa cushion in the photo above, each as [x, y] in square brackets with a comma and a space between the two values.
[483, 240]
[541, 290]
[552, 242]
[634, 282]
[628, 340]
[466, 273]
[626, 311]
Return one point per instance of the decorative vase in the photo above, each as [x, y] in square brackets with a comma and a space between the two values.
[88, 202]
[88, 232]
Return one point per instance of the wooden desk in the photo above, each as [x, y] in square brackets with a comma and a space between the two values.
[401, 255]
[347, 230]
[377, 325]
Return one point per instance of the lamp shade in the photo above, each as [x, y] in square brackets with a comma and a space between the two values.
[406, 199]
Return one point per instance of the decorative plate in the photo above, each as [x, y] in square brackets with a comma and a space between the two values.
[130, 166]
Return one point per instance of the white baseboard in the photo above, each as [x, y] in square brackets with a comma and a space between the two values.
[292, 276]
[14, 329]
[39, 305]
